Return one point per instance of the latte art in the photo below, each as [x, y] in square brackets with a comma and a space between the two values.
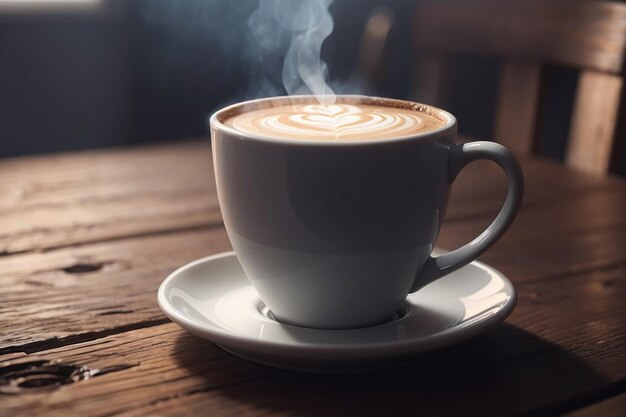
[337, 121]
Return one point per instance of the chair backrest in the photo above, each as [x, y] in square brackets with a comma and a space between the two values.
[526, 34]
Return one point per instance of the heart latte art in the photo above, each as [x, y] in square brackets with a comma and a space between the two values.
[335, 122]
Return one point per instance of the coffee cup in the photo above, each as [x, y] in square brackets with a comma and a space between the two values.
[333, 211]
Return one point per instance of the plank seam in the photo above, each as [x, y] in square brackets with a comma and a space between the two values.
[41, 345]
[165, 232]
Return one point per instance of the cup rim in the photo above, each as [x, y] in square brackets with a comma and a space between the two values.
[449, 120]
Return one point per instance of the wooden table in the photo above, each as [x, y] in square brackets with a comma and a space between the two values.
[86, 238]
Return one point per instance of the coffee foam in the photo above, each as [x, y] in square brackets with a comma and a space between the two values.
[340, 121]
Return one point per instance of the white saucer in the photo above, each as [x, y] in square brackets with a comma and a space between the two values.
[212, 298]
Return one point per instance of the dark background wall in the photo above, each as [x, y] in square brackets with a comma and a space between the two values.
[65, 78]
[150, 70]
[189, 63]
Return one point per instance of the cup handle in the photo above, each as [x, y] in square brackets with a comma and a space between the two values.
[461, 155]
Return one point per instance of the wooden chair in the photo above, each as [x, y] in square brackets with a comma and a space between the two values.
[526, 34]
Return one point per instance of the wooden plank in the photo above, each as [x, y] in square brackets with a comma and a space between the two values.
[46, 202]
[147, 353]
[93, 288]
[551, 242]
[571, 229]
[481, 187]
[584, 211]
[65, 178]
[582, 34]
[594, 121]
[587, 232]
[534, 363]
[64, 200]
[613, 407]
[517, 105]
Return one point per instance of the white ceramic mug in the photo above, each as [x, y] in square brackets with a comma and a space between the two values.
[336, 234]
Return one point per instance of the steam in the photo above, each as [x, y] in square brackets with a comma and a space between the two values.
[211, 53]
[302, 26]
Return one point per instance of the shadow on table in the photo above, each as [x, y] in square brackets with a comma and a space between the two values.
[506, 372]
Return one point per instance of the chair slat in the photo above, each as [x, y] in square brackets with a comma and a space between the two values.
[581, 34]
[528, 34]
[593, 121]
[517, 105]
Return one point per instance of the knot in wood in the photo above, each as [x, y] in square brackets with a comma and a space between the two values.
[21, 377]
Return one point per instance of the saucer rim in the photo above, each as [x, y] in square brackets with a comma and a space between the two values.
[221, 336]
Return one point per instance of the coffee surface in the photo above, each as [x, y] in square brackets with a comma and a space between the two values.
[333, 122]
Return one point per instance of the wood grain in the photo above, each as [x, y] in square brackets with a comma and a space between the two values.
[164, 371]
[594, 121]
[80, 322]
[517, 105]
[581, 34]
[135, 267]
[118, 291]
[86, 197]
[62, 200]
[584, 215]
